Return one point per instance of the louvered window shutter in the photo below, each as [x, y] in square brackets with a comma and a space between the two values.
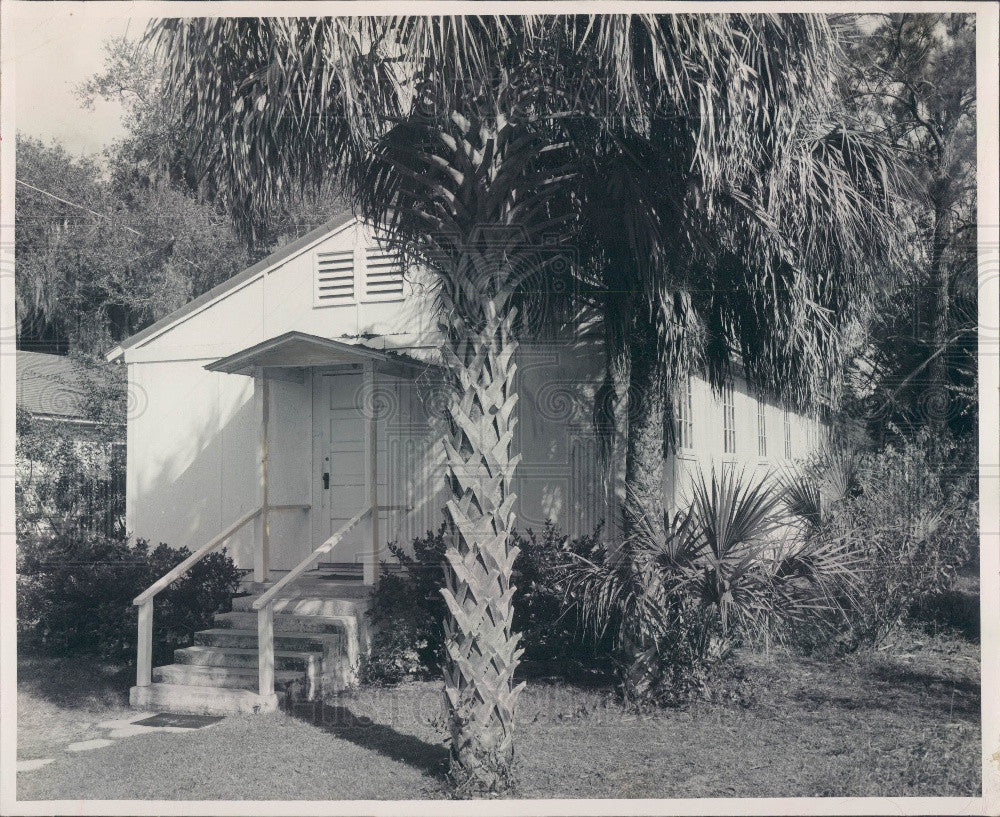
[334, 279]
[383, 274]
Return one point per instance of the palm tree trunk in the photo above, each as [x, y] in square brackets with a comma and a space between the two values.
[481, 649]
[938, 393]
[610, 415]
[647, 411]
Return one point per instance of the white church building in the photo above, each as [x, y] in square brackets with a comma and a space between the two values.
[294, 413]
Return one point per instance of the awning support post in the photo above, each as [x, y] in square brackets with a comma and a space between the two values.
[262, 555]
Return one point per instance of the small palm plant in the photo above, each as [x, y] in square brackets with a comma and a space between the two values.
[722, 574]
[812, 488]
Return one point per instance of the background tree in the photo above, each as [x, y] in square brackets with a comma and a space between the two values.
[94, 267]
[158, 152]
[912, 79]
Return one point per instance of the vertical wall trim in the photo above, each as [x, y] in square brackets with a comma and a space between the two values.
[372, 577]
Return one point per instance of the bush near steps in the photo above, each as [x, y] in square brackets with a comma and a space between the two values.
[75, 592]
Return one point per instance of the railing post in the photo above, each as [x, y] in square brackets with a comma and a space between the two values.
[144, 651]
[265, 650]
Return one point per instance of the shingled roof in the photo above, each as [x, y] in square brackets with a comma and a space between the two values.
[50, 386]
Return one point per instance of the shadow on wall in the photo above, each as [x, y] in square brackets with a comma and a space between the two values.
[194, 488]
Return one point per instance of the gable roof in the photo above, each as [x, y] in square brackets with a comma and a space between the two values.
[50, 386]
[275, 258]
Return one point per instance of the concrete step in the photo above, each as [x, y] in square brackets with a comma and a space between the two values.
[353, 571]
[325, 583]
[283, 623]
[247, 639]
[225, 677]
[200, 700]
[235, 657]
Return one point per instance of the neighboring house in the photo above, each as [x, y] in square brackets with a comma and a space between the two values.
[53, 389]
[259, 394]
[70, 467]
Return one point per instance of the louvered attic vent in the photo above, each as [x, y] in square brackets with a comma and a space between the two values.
[334, 277]
[383, 274]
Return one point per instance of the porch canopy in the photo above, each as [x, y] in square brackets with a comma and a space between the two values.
[295, 351]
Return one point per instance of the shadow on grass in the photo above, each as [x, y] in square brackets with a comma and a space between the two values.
[339, 721]
[909, 692]
[905, 675]
[77, 682]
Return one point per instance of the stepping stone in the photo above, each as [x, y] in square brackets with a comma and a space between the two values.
[31, 765]
[131, 730]
[87, 745]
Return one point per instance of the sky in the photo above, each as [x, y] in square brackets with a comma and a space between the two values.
[52, 55]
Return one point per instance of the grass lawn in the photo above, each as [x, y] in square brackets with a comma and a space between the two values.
[903, 722]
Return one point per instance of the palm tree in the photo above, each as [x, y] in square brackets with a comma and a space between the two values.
[727, 217]
[469, 140]
[406, 114]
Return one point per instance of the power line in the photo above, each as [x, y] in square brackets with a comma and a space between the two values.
[107, 217]
[80, 207]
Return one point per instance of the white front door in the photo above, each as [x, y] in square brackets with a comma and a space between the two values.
[342, 461]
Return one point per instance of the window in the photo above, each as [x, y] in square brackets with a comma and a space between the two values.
[788, 436]
[761, 429]
[728, 419]
[334, 278]
[683, 416]
[383, 274]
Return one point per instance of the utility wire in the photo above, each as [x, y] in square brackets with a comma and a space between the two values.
[105, 216]
[79, 207]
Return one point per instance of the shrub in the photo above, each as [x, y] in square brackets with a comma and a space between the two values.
[75, 591]
[910, 525]
[408, 609]
[407, 612]
[550, 631]
[678, 603]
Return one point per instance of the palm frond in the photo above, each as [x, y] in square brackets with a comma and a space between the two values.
[732, 509]
[801, 495]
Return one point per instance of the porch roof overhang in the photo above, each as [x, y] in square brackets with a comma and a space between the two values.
[300, 350]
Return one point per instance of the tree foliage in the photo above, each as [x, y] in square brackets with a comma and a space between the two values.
[159, 149]
[94, 266]
[912, 80]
